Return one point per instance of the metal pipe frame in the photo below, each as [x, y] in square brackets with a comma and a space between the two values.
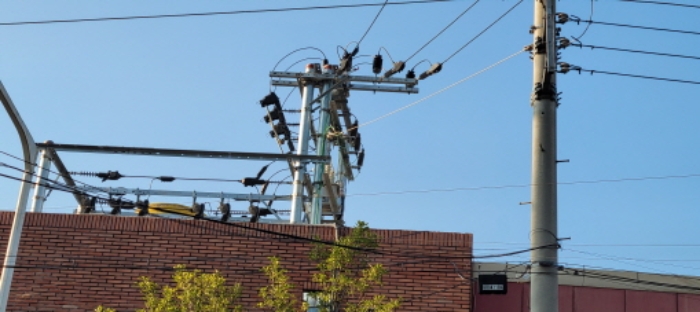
[29, 151]
[166, 152]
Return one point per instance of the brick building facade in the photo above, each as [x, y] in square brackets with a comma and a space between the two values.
[77, 262]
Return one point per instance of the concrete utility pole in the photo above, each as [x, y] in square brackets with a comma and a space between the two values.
[544, 282]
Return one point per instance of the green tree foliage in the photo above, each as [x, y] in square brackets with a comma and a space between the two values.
[194, 291]
[277, 297]
[346, 276]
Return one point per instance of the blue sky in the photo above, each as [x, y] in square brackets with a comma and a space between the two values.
[457, 162]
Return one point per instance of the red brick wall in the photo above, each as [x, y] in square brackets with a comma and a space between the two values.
[77, 262]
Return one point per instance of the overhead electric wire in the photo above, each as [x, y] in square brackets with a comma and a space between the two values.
[441, 90]
[664, 3]
[595, 71]
[36, 174]
[483, 31]
[329, 243]
[609, 277]
[442, 31]
[372, 23]
[626, 260]
[477, 188]
[587, 26]
[635, 51]
[688, 32]
[66, 187]
[159, 16]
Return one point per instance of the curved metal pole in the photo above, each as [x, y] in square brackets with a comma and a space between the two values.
[29, 151]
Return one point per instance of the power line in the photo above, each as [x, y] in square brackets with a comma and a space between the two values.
[483, 31]
[688, 32]
[595, 71]
[372, 23]
[140, 17]
[442, 90]
[35, 174]
[585, 30]
[626, 260]
[609, 277]
[664, 3]
[477, 188]
[443, 30]
[636, 51]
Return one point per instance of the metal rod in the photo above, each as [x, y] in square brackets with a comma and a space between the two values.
[326, 76]
[321, 150]
[29, 152]
[141, 192]
[39, 185]
[303, 149]
[543, 235]
[149, 151]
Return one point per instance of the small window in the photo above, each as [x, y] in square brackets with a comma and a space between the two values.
[311, 299]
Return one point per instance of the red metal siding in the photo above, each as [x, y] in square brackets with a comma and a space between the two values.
[688, 303]
[591, 299]
[513, 301]
[650, 301]
[566, 299]
[587, 299]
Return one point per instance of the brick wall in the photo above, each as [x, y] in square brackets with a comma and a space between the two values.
[77, 262]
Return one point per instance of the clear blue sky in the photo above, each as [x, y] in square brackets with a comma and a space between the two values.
[458, 162]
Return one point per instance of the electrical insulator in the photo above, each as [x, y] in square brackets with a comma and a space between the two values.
[166, 179]
[398, 67]
[280, 129]
[270, 99]
[252, 181]
[355, 51]
[562, 18]
[411, 74]
[361, 159]
[352, 132]
[256, 212]
[377, 64]
[89, 204]
[198, 210]
[564, 43]
[274, 114]
[142, 206]
[109, 175]
[225, 210]
[358, 142]
[436, 68]
[345, 63]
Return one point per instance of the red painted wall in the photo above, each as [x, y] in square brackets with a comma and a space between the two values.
[76, 262]
[591, 299]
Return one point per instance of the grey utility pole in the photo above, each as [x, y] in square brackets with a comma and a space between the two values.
[544, 282]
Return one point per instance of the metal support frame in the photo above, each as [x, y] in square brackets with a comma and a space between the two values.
[29, 152]
[302, 149]
[39, 185]
[221, 195]
[321, 150]
[331, 93]
[166, 152]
